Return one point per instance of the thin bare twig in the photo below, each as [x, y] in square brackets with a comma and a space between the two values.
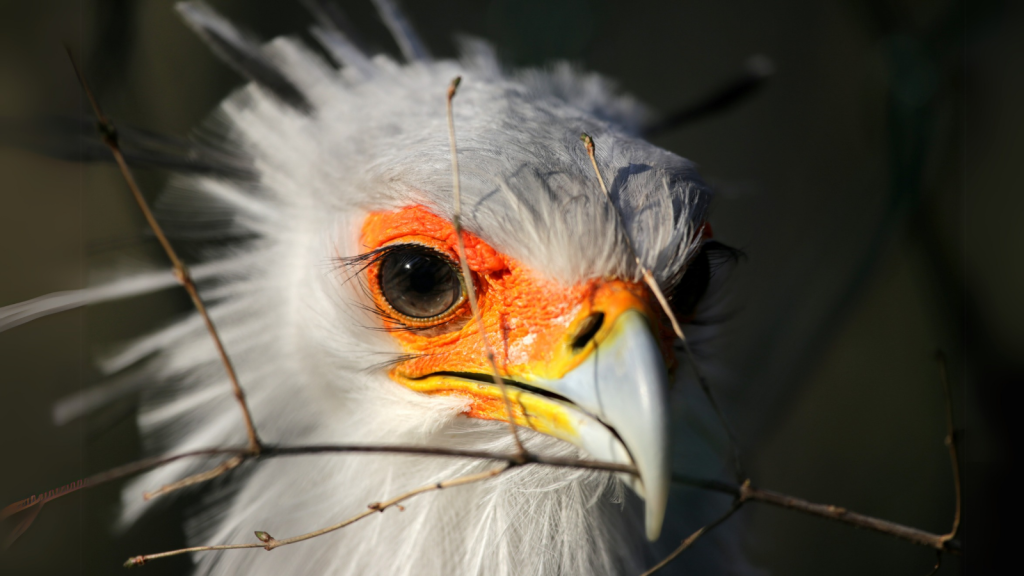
[226, 466]
[751, 494]
[951, 445]
[466, 273]
[935, 541]
[96, 480]
[651, 282]
[268, 542]
[693, 538]
[110, 138]
[831, 512]
[272, 451]
[747, 493]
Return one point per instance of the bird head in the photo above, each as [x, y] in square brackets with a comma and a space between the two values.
[544, 335]
[347, 310]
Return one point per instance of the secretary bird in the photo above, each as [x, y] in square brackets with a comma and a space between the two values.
[347, 313]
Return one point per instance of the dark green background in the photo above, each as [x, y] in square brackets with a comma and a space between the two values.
[873, 184]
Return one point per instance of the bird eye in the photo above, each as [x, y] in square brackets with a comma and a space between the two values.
[419, 282]
[687, 294]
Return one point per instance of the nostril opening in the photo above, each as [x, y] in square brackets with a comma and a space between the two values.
[587, 330]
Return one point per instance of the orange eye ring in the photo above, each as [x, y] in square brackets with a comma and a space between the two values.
[413, 289]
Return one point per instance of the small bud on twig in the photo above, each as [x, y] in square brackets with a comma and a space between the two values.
[267, 539]
[454, 86]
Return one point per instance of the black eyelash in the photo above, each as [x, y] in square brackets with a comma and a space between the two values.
[398, 359]
[363, 261]
[722, 254]
[718, 255]
[686, 292]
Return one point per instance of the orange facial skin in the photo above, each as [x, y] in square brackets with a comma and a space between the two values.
[530, 321]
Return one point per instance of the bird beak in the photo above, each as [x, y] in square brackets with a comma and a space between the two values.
[606, 393]
[623, 385]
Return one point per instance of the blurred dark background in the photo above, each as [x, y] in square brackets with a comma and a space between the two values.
[870, 183]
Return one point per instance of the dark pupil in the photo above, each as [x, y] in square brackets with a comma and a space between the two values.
[419, 282]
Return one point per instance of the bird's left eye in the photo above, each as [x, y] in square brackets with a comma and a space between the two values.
[419, 282]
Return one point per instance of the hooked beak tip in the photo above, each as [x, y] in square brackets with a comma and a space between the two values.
[625, 384]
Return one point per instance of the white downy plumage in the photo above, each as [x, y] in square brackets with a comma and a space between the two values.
[327, 146]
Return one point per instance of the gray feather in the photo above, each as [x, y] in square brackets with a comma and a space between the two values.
[78, 140]
[330, 16]
[343, 50]
[243, 54]
[405, 36]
